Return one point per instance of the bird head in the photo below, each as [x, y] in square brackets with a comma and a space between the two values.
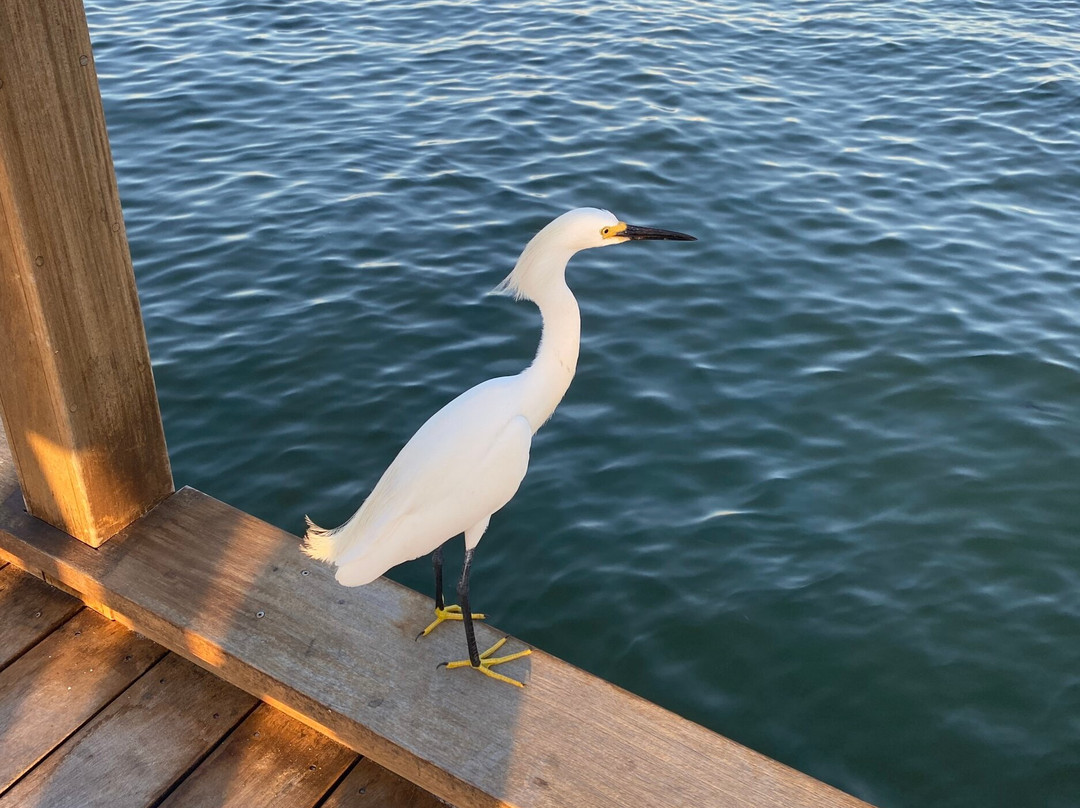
[544, 258]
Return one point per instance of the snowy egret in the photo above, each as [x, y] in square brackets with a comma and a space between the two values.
[467, 461]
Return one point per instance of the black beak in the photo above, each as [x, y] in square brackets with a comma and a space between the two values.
[635, 233]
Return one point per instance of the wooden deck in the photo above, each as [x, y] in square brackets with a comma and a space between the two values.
[93, 714]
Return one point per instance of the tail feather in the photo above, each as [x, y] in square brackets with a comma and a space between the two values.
[358, 561]
[319, 541]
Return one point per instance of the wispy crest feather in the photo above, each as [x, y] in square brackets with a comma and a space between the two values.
[508, 287]
[552, 248]
[516, 283]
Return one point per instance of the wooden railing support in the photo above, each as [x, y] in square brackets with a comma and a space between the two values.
[76, 392]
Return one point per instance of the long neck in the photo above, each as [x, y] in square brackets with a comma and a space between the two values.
[548, 377]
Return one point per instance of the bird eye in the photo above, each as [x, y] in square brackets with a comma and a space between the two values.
[605, 232]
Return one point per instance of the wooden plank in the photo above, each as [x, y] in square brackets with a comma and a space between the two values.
[271, 761]
[100, 608]
[51, 690]
[369, 785]
[137, 747]
[237, 594]
[77, 394]
[29, 610]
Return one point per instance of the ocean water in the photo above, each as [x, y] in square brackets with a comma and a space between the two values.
[816, 483]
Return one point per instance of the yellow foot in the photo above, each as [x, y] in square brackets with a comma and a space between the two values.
[442, 615]
[486, 661]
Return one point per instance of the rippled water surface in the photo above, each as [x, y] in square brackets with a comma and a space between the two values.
[815, 485]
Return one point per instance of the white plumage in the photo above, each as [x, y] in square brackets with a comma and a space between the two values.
[468, 460]
[459, 468]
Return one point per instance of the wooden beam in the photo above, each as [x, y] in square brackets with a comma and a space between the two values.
[77, 393]
[236, 595]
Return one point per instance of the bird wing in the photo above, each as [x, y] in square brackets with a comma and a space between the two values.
[466, 462]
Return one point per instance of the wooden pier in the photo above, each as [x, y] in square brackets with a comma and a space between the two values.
[93, 714]
[253, 678]
[235, 596]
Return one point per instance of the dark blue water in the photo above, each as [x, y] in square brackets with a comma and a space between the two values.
[816, 484]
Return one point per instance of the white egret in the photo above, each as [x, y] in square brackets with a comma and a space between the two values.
[467, 461]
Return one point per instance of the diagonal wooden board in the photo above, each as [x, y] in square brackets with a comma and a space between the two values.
[31, 609]
[138, 745]
[50, 692]
[269, 759]
[235, 594]
[369, 785]
[64, 680]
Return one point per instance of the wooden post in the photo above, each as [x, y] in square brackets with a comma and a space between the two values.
[76, 390]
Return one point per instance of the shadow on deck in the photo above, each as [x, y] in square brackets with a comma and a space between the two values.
[93, 714]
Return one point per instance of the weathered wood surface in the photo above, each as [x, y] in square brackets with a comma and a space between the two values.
[131, 752]
[237, 595]
[59, 684]
[268, 759]
[271, 761]
[30, 609]
[77, 394]
[372, 786]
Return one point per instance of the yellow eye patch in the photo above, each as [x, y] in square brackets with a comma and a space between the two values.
[612, 230]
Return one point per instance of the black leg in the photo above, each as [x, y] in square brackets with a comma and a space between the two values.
[436, 562]
[444, 612]
[466, 614]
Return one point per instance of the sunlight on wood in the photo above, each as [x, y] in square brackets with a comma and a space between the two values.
[205, 650]
[61, 471]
